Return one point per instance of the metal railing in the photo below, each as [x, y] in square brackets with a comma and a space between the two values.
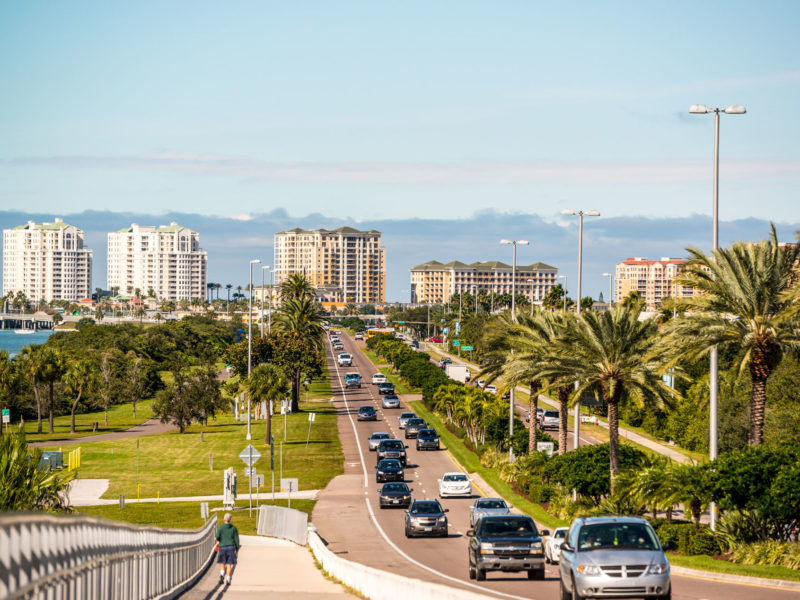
[284, 523]
[55, 557]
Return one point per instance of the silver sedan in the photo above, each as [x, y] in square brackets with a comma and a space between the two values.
[376, 438]
[487, 506]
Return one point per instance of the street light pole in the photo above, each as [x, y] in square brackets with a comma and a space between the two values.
[250, 341]
[580, 213]
[531, 282]
[513, 320]
[713, 357]
[610, 288]
[261, 321]
[564, 277]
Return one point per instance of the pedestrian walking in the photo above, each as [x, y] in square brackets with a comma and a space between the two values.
[228, 538]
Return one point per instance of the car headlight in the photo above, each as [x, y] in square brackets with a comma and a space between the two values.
[589, 570]
[442, 520]
[487, 548]
[536, 547]
[380, 472]
[658, 569]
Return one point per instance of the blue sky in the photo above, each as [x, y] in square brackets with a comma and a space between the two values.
[366, 112]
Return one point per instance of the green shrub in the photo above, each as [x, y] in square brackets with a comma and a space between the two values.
[692, 540]
[772, 552]
[540, 493]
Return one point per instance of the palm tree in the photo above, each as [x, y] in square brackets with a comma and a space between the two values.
[747, 301]
[296, 286]
[228, 287]
[267, 383]
[80, 378]
[30, 365]
[6, 380]
[217, 287]
[52, 365]
[301, 317]
[611, 354]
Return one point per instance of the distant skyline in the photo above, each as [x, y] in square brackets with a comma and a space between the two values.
[232, 243]
[362, 113]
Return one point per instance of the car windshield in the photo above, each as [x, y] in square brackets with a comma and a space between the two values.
[379, 436]
[551, 413]
[366, 409]
[389, 463]
[425, 508]
[392, 445]
[510, 526]
[560, 535]
[427, 433]
[407, 416]
[415, 422]
[395, 487]
[629, 536]
[455, 477]
[490, 504]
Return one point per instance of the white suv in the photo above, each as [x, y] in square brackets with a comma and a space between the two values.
[345, 359]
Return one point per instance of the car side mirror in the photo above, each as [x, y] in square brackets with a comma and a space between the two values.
[410, 489]
[669, 545]
[565, 547]
[378, 490]
[446, 510]
[470, 533]
[405, 446]
[544, 532]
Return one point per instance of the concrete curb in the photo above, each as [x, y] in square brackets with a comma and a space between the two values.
[782, 584]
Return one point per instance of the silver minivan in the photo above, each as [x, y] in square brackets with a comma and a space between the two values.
[616, 557]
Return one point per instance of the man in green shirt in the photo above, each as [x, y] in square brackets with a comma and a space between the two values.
[228, 538]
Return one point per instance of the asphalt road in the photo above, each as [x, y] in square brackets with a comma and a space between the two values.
[348, 516]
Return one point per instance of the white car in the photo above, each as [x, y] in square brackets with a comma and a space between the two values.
[455, 484]
[358, 336]
[480, 383]
[549, 419]
[492, 389]
[378, 378]
[345, 359]
[552, 545]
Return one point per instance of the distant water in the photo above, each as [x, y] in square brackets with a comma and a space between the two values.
[14, 342]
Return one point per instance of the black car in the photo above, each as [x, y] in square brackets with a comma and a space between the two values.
[427, 439]
[367, 413]
[426, 517]
[395, 494]
[505, 543]
[413, 426]
[389, 469]
[392, 449]
[386, 388]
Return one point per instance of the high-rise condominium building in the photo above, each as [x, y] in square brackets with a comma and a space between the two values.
[345, 258]
[653, 279]
[434, 282]
[46, 261]
[167, 260]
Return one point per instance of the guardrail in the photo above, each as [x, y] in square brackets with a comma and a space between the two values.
[382, 585]
[49, 556]
[284, 523]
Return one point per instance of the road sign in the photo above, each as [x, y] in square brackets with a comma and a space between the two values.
[6, 415]
[311, 416]
[466, 348]
[249, 471]
[256, 480]
[289, 484]
[249, 455]
[401, 322]
[456, 343]
[546, 447]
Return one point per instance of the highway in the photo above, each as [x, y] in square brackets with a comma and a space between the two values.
[349, 519]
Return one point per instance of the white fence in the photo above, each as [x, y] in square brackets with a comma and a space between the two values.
[54, 557]
[284, 523]
[381, 585]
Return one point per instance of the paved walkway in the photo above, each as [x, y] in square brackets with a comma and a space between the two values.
[151, 427]
[272, 568]
[626, 434]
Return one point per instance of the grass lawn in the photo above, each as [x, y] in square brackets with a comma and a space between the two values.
[706, 563]
[186, 515]
[176, 464]
[400, 386]
[469, 460]
[370, 354]
[120, 418]
[320, 387]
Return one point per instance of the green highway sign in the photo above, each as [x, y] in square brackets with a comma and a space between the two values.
[456, 343]
[466, 348]
[401, 322]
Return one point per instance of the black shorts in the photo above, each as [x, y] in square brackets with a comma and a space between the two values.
[226, 555]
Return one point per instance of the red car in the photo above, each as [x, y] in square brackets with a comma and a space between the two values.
[435, 340]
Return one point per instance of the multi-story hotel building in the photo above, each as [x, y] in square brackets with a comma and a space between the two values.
[653, 279]
[167, 260]
[46, 261]
[343, 258]
[434, 282]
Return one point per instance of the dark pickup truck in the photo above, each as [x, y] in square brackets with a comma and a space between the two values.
[505, 543]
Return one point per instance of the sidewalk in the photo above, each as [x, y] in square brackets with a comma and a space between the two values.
[87, 492]
[268, 567]
[628, 435]
[151, 427]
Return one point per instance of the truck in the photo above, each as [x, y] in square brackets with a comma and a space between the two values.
[457, 372]
[352, 380]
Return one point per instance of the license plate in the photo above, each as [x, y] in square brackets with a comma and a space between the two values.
[429, 529]
[395, 501]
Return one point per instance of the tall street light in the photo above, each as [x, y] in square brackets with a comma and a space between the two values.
[531, 281]
[513, 320]
[610, 288]
[581, 214]
[564, 277]
[713, 384]
[250, 341]
[264, 268]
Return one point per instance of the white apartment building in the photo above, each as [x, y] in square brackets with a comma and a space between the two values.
[435, 283]
[166, 259]
[348, 259]
[47, 261]
[653, 279]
